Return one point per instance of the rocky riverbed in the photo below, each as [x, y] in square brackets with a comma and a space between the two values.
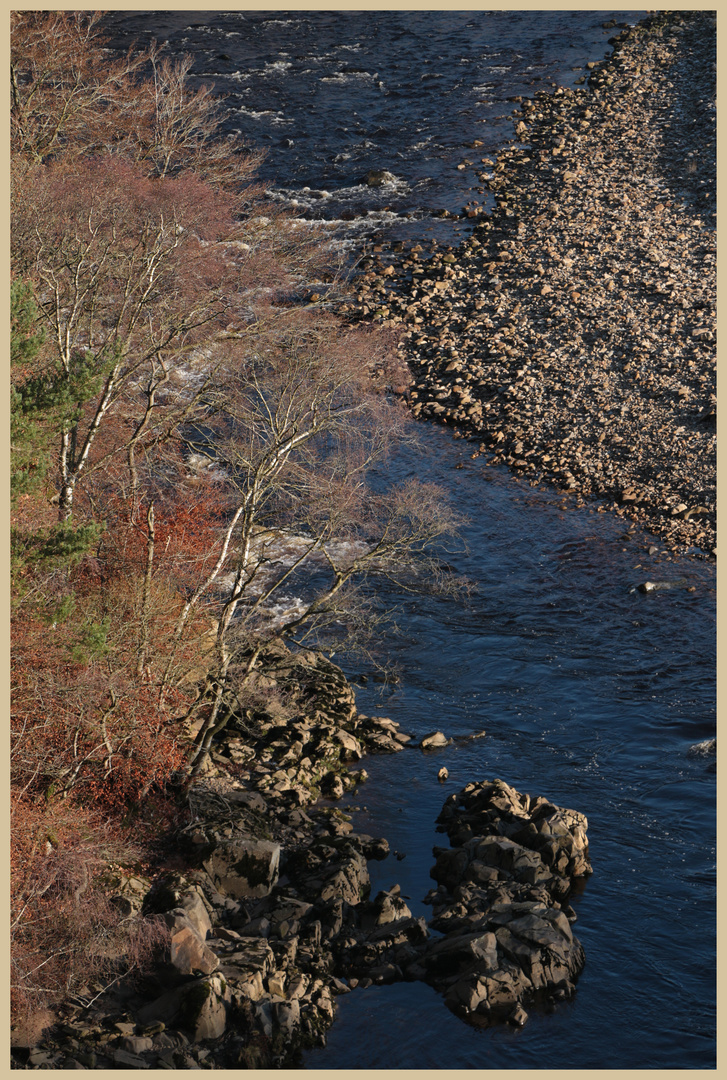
[573, 338]
[573, 335]
[270, 917]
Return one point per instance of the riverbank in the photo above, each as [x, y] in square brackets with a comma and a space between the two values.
[572, 336]
[251, 892]
[266, 900]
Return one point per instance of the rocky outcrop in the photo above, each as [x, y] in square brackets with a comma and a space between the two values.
[502, 903]
[273, 907]
[310, 747]
[251, 977]
[272, 918]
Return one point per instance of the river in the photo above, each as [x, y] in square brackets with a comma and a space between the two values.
[590, 693]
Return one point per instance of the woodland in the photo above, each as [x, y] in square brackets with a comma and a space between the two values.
[193, 429]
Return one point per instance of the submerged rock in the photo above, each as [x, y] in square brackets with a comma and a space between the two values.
[379, 177]
[659, 586]
[704, 749]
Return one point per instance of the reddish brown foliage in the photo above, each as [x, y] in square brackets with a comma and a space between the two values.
[70, 97]
[64, 929]
[86, 724]
[150, 604]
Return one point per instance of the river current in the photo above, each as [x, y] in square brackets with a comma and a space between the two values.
[590, 693]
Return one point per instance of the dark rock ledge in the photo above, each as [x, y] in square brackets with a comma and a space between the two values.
[271, 919]
[502, 902]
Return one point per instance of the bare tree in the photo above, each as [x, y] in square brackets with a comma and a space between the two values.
[63, 87]
[295, 428]
[136, 282]
[71, 96]
[178, 129]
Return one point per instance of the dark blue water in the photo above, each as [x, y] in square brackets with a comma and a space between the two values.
[590, 694]
[333, 94]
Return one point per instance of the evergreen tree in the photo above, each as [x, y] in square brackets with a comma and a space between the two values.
[29, 444]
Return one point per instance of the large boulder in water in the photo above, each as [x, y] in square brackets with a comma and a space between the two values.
[502, 902]
[434, 740]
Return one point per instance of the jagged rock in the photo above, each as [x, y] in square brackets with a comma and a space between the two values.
[286, 919]
[203, 1010]
[373, 847]
[387, 907]
[351, 749]
[250, 954]
[249, 985]
[381, 743]
[287, 1016]
[332, 786]
[382, 952]
[500, 901]
[344, 883]
[246, 868]
[195, 912]
[189, 954]
[704, 749]
[297, 986]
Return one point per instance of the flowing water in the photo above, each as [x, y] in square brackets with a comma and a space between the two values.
[332, 95]
[590, 693]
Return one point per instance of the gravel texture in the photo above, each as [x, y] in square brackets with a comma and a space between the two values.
[573, 336]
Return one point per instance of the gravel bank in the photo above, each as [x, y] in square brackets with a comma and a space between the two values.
[573, 336]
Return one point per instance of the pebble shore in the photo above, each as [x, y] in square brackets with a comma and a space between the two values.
[573, 335]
